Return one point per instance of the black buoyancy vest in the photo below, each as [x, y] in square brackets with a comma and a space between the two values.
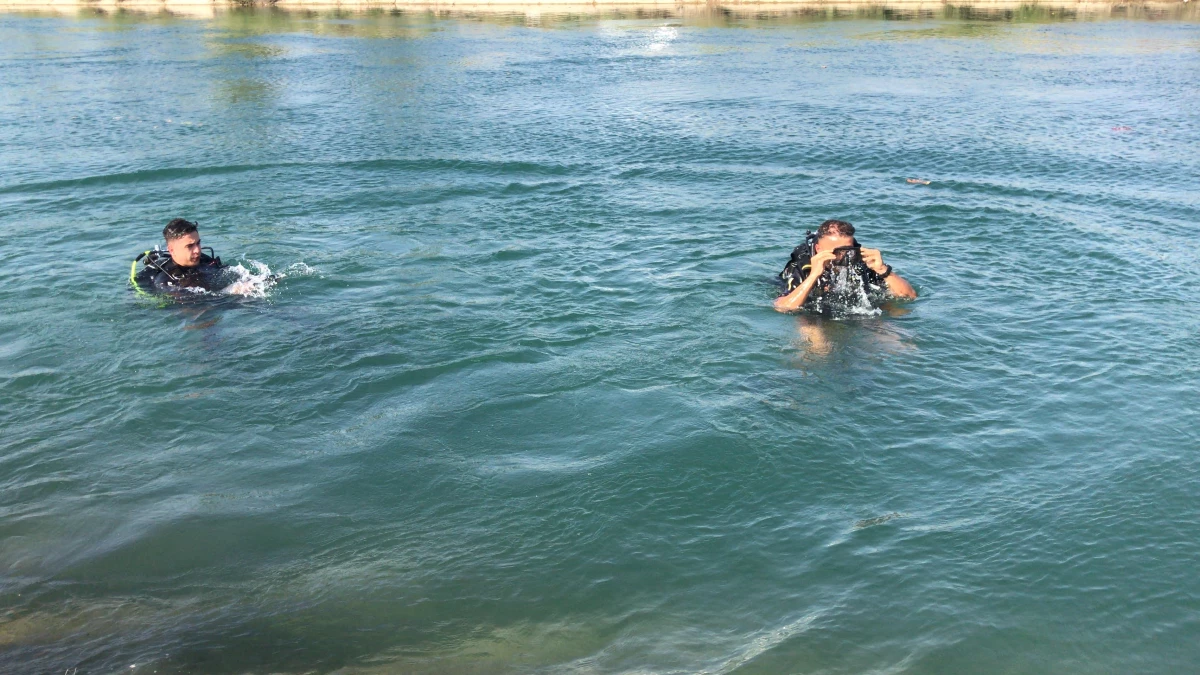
[799, 265]
[160, 273]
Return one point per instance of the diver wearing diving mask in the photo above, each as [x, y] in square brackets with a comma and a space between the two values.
[830, 255]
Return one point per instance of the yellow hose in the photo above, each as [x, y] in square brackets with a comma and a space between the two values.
[133, 275]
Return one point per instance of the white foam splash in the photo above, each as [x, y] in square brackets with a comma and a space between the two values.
[250, 279]
[257, 280]
[298, 270]
[250, 283]
[850, 296]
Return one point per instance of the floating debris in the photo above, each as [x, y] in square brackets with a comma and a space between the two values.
[918, 181]
[1122, 128]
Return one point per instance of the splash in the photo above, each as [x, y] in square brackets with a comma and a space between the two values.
[252, 282]
[848, 295]
[299, 270]
[257, 280]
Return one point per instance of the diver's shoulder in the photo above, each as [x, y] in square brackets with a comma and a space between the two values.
[145, 276]
[799, 261]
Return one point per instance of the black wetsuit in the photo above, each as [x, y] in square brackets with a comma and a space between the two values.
[161, 274]
[797, 270]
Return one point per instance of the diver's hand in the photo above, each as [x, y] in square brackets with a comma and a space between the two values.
[896, 285]
[818, 263]
[873, 259]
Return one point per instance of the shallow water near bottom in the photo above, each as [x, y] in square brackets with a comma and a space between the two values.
[520, 403]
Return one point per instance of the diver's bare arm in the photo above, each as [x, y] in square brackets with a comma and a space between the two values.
[795, 300]
[900, 288]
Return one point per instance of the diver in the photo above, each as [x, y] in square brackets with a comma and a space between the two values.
[183, 265]
[830, 263]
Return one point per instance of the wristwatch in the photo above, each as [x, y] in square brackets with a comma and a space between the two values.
[886, 274]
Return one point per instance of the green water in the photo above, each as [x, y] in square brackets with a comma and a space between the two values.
[521, 404]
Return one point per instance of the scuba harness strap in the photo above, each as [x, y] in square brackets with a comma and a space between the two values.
[797, 267]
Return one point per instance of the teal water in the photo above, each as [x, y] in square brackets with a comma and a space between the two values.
[521, 403]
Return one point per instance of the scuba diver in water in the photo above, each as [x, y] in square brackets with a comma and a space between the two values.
[183, 265]
[831, 263]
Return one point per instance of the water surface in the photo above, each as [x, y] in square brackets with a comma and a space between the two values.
[521, 404]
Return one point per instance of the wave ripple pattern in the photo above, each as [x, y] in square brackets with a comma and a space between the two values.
[518, 403]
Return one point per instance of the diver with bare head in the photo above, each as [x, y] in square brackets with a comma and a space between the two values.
[184, 265]
[831, 263]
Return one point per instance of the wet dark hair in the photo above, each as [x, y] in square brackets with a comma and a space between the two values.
[178, 228]
[835, 227]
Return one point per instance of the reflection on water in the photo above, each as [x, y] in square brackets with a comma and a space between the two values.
[819, 337]
[972, 29]
[375, 22]
[245, 90]
[250, 50]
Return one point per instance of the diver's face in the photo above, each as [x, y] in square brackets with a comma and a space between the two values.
[185, 250]
[831, 241]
